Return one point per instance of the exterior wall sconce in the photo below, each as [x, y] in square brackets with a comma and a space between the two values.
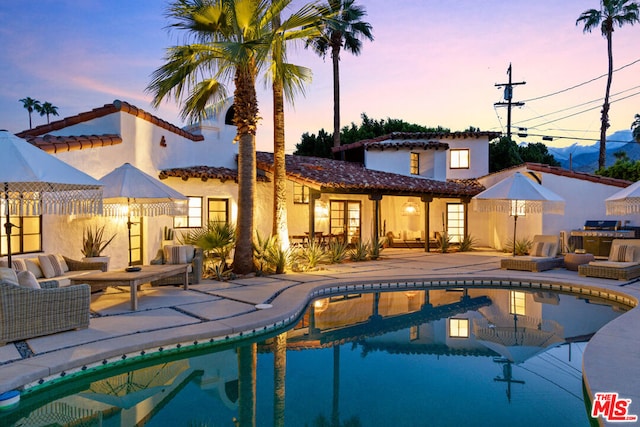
[163, 142]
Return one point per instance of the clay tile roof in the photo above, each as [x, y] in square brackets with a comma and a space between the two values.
[555, 170]
[337, 175]
[116, 106]
[425, 137]
[204, 173]
[59, 144]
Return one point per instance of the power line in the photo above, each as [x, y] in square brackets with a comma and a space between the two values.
[581, 84]
[579, 105]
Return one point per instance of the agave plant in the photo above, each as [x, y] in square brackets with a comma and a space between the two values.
[467, 244]
[337, 251]
[311, 255]
[360, 252]
[522, 246]
[94, 242]
[444, 242]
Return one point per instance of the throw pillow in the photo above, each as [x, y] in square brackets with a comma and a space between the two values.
[50, 266]
[621, 253]
[8, 275]
[16, 264]
[26, 279]
[62, 263]
[34, 266]
[178, 254]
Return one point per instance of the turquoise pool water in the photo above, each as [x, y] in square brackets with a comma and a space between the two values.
[481, 357]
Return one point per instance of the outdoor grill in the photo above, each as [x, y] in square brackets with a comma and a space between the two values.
[596, 236]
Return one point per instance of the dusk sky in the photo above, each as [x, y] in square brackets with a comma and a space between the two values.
[432, 63]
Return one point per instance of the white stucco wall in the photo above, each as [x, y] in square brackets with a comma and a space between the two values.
[431, 162]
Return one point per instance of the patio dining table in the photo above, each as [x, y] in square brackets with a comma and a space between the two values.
[133, 279]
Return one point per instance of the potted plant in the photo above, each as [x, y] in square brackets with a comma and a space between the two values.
[93, 243]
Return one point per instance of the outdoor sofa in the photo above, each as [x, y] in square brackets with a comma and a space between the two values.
[55, 268]
[28, 312]
[180, 254]
[542, 256]
[623, 262]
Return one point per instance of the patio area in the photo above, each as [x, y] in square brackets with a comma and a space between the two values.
[169, 316]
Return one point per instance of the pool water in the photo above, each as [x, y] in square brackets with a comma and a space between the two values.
[477, 357]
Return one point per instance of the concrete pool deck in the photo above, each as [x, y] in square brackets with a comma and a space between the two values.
[170, 315]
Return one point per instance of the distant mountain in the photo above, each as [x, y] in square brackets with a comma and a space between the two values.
[584, 158]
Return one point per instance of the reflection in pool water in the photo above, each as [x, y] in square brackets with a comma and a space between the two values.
[409, 358]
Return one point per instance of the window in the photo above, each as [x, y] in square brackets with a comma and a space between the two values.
[460, 159]
[27, 238]
[455, 222]
[414, 164]
[517, 302]
[193, 219]
[300, 193]
[458, 328]
[218, 210]
[518, 208]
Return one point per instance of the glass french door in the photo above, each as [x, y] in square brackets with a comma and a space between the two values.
[345, 220]
[455, 222]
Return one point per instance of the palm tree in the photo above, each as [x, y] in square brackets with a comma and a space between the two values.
[288, 80]
[47, 109]
[231, 41]
[610, 14]
[343, 29]
[30, 104]
[635, 127]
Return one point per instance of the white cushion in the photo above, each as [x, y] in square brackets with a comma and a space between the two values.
[26, 279]
[63, 263]
[50, 266]
[612, 264]
[621, 253]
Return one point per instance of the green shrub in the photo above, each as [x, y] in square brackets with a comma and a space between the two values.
[217, 240]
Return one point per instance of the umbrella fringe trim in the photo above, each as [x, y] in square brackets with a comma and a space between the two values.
[530, 206]
[65, 202]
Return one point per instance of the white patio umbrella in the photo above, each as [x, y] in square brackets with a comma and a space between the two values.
[518, 337]
[518, 195]
[128, 189]
[33, 182]
[625, 201]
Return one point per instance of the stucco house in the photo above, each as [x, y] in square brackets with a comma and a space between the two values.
[407, 186]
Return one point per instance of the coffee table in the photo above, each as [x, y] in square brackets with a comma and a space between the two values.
[134, 279]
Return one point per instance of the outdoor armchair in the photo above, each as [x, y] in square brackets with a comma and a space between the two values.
[195, 273]
[543, 256]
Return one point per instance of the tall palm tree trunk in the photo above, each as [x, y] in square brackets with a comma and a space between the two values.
[605, 106]
[335, 59]
[246, 113]
[280, 227]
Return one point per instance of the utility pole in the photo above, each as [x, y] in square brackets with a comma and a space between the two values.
[508, 96]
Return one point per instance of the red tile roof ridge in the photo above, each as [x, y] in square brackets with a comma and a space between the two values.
[106, 109]
[560, 171]
[58, 144]
[557, 170]
[419, 135]
[204, 173]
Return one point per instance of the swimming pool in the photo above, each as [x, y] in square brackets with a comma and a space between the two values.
[413, 357]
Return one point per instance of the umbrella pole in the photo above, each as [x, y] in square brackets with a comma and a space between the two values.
[515, 224]
[7, 224]
[129, 229]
